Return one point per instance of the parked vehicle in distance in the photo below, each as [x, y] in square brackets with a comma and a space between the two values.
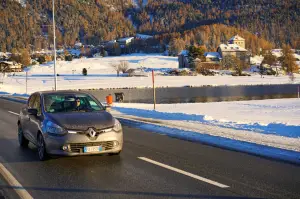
[68, 123]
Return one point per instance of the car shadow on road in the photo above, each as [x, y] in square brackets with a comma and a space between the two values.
[124, 193]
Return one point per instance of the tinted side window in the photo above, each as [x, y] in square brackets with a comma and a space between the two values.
[31, 101]
[37, 104]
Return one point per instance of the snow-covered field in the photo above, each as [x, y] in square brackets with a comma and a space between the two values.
[268, 122]
[102, 75]
[103, 65]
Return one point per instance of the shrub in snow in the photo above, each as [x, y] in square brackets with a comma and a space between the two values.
[41, 59]
[84, 72]
[68, 57]
[204, 70]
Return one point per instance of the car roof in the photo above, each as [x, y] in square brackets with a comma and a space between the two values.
[61, 92]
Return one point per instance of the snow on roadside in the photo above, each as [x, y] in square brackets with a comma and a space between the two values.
[268, 122]
[263, 112]
[276, 141]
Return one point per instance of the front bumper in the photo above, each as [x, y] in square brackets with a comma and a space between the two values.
[76, 142]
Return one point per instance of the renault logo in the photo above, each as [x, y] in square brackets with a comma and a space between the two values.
[91, 132]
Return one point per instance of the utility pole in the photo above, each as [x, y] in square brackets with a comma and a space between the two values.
[26, 81]
[154, 93]
[54, 48]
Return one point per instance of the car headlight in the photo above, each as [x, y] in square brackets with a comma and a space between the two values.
[54, 129]
[117, 126]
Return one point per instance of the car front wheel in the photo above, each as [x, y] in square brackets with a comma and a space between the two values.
[42, 148]
[23, 142]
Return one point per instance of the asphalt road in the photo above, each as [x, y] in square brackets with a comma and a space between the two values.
[129, 176]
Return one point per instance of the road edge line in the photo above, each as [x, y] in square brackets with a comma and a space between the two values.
[14, 183]
[14, 113]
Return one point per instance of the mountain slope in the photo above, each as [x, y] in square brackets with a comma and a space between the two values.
[277, 21]
[92, 21]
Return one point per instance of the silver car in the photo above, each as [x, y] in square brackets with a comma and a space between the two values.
[68, 123]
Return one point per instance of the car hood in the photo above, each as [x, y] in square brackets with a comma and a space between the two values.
[83, 120]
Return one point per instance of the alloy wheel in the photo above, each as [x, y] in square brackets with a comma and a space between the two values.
[41, 148]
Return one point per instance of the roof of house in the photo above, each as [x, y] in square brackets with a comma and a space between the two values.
[125, 39]
[231, 48]
[141, 36]
[184, 52]
[78, 44]
[2, 54]
[7, 62]
[212, 55]
[236, 37]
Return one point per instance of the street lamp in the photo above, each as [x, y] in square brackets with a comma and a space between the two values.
[54, 48]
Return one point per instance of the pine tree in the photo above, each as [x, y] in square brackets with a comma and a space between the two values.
[84, 71]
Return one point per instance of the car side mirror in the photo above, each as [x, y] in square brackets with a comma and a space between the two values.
[32, 111]
[107, 108]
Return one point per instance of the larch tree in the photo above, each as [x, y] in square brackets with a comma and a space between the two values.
[288, 60]
[25, 57]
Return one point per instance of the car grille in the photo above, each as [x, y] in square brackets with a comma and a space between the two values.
[78, 147]
[98, 132]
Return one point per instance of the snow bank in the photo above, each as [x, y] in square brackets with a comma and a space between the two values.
[269, 128]
[223, 142]
[280, 117]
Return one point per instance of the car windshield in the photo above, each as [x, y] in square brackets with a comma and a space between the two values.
[62, 103]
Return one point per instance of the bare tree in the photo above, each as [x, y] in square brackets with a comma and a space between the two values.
[269, 59]
[116, 68]
[3, 71]
[120, 67]
[124, 65]
[227, 62]
[232, 62]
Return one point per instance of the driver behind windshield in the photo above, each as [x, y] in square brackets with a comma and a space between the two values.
[78, 105]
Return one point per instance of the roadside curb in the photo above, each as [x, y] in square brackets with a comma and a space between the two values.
[220, 142]
[14, 99]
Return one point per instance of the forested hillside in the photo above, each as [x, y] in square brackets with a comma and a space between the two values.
[275, 20]
[89, 20]
[262, 22]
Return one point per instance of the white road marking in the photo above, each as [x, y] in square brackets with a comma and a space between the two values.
[14, 113]
[12, 181]
[185, 173]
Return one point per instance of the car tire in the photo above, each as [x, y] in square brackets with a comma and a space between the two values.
[41, 148]
[23, 142]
